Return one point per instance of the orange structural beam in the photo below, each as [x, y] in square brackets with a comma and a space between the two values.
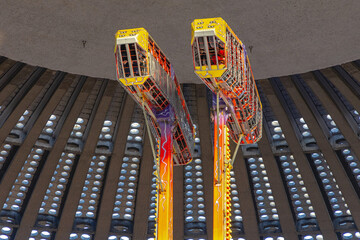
[164, 220]
[221, 193]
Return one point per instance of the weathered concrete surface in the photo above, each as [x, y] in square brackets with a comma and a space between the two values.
[287, 36]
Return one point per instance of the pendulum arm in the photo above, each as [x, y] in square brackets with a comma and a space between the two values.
[218, 153]
[221, 180]
[164, 174]
[141, 69]
[229, 76]
[164, 220]
[221, 194]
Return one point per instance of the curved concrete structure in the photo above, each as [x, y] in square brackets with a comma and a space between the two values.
[76, 163]
[78, 36]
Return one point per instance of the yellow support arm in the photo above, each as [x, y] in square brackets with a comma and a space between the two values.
[221, 180]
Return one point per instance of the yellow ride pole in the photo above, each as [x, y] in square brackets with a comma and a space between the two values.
[221, 193]
[164, 218]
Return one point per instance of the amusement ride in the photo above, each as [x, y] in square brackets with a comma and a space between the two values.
[221, 62]
[147, 75]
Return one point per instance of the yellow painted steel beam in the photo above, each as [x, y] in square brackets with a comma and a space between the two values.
[165, 202]
[221, 180]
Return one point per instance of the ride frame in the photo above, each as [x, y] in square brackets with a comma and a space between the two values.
[221, 62]
[147, 75]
